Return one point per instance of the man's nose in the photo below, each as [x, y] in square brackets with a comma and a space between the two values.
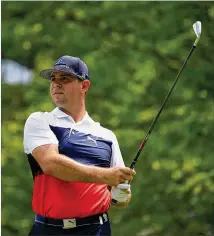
[57, 84]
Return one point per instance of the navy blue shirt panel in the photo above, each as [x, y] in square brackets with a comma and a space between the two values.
[84, 148]
[35, 168]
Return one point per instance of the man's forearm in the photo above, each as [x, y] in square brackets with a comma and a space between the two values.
[64, 168]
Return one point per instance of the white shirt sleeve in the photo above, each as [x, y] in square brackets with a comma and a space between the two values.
[37, 132]
[116, 159]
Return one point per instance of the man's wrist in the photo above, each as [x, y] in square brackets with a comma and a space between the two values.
[121, 204]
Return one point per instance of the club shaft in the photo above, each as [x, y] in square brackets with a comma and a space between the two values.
[160, 110]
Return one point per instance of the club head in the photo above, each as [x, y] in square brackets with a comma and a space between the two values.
[197, 28]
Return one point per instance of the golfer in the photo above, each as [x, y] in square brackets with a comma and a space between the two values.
[76, 163]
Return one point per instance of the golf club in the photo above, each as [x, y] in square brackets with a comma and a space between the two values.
[197, 29]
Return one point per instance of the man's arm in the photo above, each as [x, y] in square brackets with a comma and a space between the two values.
[64, 168]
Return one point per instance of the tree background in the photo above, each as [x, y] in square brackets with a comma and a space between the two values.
[134, 50]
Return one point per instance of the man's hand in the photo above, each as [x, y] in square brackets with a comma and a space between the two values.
[116, 175]
[121, 195]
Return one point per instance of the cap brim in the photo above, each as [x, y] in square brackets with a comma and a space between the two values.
[48, 72]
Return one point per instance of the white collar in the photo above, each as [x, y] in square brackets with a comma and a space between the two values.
[60, 114]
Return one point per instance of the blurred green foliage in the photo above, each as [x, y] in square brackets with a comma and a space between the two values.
[134, 51]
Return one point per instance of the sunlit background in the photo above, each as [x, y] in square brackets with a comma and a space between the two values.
[134, 51]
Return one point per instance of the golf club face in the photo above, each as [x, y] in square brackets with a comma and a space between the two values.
[197, 28]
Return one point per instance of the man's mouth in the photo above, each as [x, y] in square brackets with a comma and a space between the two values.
[57, 93]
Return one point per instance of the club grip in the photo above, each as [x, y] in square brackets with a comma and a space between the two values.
[132, 165]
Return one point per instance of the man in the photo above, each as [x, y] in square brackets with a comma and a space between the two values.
[76, 163]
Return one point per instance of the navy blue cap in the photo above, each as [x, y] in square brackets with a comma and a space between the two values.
[71, 65]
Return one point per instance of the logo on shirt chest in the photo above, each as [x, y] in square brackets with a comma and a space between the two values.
[91, 139]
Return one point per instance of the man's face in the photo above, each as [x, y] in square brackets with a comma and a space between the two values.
[65, 89]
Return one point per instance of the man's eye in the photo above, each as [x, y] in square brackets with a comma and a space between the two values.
[65, 78]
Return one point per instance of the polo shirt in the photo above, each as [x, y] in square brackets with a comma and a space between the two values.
[86, 142]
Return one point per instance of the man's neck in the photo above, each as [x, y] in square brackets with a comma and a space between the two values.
[77, 114]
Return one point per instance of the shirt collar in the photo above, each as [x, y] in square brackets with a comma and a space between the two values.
[60, 114]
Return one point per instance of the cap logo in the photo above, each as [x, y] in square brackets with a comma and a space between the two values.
[61, 62]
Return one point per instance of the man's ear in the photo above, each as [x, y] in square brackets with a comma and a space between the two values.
[85, 85]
